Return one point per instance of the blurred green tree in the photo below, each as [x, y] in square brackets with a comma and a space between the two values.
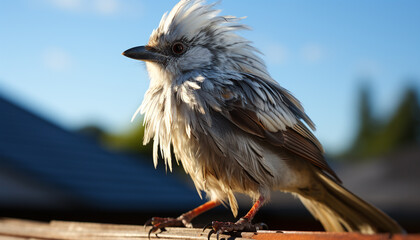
[377, 137]
[129, 141]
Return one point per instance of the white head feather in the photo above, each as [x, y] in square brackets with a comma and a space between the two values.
[211, 40]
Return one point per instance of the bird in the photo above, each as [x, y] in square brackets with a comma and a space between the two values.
[233, 128]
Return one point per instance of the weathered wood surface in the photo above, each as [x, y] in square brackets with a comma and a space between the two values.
[15, 229]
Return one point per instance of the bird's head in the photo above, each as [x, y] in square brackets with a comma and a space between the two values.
[194, 37]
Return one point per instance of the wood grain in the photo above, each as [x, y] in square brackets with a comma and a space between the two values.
[18, 229]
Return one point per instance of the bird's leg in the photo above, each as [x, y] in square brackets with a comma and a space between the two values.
[183, 220]
[242, 225]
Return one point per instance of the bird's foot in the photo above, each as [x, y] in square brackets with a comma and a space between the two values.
[242, 225]
[159, 223]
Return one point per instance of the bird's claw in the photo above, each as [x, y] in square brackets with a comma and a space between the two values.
[158, 223]
[210, 233]
[263, 226]
[208, 225]
[153, 229]
[242, 225]
[148, 222]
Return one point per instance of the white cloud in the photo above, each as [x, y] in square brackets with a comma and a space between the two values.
[102, 7]
[276, 53]
[312, 53]
[69, 5]
[106, 7]
[57, 59]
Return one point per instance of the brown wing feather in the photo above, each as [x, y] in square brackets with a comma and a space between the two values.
[304, 131]
[298, 140]
[303, 147]
[245, 120]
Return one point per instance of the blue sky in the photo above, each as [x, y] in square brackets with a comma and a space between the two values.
[62, 58]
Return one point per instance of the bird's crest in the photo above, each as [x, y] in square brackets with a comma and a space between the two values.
[191, 17]
[200, 24]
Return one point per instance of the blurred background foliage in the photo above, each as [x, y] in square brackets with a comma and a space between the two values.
[128, 141]
[381, 135]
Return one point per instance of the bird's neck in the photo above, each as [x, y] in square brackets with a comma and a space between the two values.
[158, 75]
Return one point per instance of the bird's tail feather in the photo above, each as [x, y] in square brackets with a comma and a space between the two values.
[339, 210]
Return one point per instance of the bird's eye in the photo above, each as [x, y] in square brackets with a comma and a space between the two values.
[178, 48]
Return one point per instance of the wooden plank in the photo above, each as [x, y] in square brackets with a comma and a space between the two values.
[16, 229]
[290, 235]
[90, 231]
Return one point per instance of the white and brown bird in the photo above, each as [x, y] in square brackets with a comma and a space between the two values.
[233, 128]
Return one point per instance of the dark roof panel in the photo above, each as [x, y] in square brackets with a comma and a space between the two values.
[78, 166]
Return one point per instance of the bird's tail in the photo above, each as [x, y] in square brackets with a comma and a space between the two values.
[339, 210]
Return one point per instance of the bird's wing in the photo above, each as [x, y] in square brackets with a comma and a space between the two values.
[270, 112]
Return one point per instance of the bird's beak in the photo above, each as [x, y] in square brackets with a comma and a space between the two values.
[144, 53]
